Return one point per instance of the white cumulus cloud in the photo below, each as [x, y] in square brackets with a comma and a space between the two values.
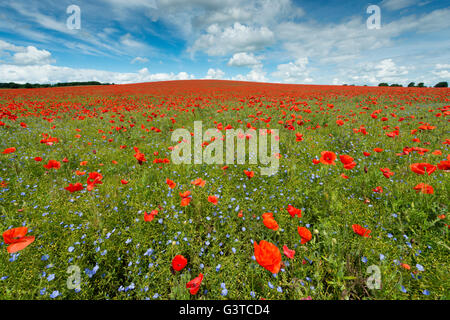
[52, 74]
[257, 74]
[29, 64]
[29, 55]
[243, 59]
[442, 71]
[32, 56]
[221, 41]
[293, 72]
[214, 74]
[385, 70]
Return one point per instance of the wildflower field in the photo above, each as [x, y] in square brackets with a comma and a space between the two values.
[93, 207]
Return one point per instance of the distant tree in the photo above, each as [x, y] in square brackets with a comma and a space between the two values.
[420, 85]
[411, 84]
[443, 84]
[396, 85]
[383, 84]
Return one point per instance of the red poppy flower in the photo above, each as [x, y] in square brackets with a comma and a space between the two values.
[93, 179]
[123, 181]
[249, 174]
[269, 221]
[148, 217]
[328, 157]
[294, 211]
[52, 164]
[424, 188]
[288, 252]
[363, 232]
[345, 159]
[427, 127]
[185, 198]
[268, 256]
[406, 266]
[49, 141]
[194, 284]
[349, 166]
[213, 200]
[16, 239]
[171, 183]
[185, 202]
[185, 194]
[305, 234]
[199, 182]
[378, 150]
[387, 172]
[422, 168]
[437, 153]
[378, 190]
[140, 157]
[444, 165]
[179, 262]
[37, 159]
[267, 215]
[74, 187]
[9, 150]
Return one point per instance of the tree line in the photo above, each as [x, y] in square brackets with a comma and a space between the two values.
[13, 85]
[442, 84]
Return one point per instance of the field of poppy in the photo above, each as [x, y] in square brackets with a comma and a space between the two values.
[92, 207]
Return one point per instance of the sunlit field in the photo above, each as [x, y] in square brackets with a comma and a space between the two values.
[358, 208]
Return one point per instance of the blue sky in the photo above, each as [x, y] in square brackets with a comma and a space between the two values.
[287, 41]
